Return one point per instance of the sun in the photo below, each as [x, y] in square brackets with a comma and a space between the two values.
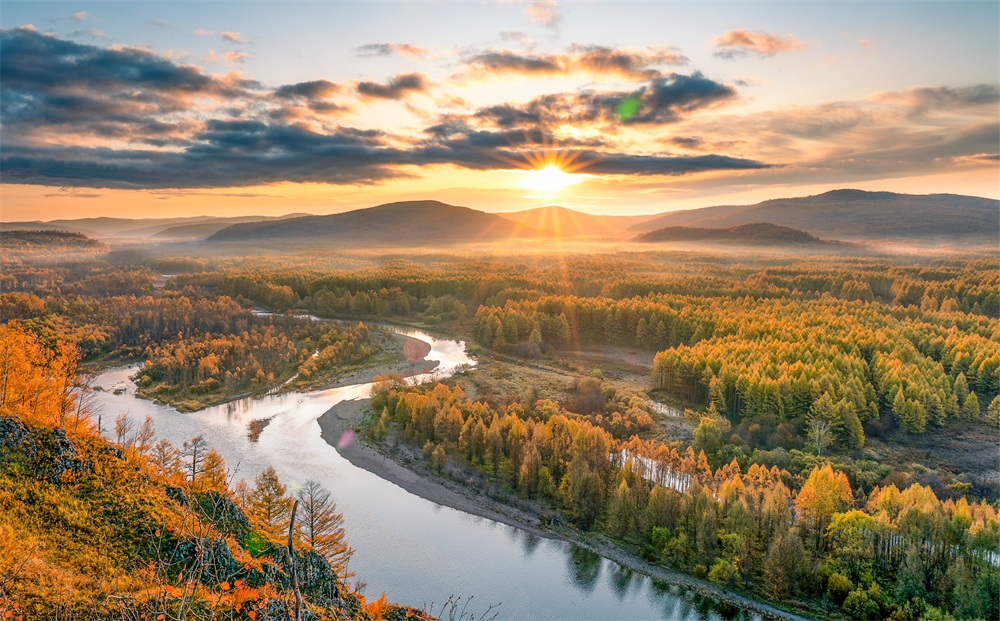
[549, 179]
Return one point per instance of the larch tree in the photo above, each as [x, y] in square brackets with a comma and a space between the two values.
[270, 505]
[322, 526]
[825, 493]
[213, 475]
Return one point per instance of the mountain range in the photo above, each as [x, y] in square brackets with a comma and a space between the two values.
[854, 215]
[407, 223]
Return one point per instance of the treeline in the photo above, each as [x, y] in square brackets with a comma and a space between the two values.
[899, 554]
[134, 527]
[962, 285]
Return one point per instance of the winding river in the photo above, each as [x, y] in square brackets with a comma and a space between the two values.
[417, 551]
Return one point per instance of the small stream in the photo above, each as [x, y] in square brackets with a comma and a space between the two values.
[417, 551]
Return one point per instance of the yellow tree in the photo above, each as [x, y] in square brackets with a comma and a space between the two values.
[825, 493]
[213, 475]
[321, 527]
[270, 505]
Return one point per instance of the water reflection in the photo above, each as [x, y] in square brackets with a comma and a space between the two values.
[586, 567]
[529, 542]
[621, 579]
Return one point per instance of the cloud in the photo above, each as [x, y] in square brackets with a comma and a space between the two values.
[314, 89]
[663, 100]
[390, 49]
[521, 38]
[485, 155]
[688, 142]
[865, 43]
[79, 16]
[225, 35]
[233, 37]
[53, 89]
[925, 99]
[544, 13]
[398, 87]
[741, 43]
[315, 95]
[225, 154]
[591, 60]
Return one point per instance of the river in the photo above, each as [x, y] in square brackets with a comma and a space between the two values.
[417, 551]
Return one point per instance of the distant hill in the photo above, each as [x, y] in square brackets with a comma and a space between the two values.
[570, 223]
[138, 228]
[853, 214]
[756, 234]
[201, 230]
[18, 243]
[398, 224]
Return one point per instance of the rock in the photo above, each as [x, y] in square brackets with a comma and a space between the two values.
[221, 511]
[50, 451]
[14, 438]
[63, 456]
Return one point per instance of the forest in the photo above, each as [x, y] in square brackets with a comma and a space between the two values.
[817, 432]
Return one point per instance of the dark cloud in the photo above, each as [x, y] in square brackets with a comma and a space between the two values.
[390, 49]
[628, 164]
[52, 85]
[314, 89]
[593, 60]
[687, 142]
[33, 62]
[226, 154]
[397, 88]
[466, 153]
[664, 100]
[506, 61]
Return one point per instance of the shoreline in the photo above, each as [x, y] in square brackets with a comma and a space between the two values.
[344, 417]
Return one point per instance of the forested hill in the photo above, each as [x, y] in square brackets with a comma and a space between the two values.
[398, 224]
[21, 242]
[757, 234]
[854, 214]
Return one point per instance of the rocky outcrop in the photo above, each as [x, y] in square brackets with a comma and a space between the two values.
[49, 453]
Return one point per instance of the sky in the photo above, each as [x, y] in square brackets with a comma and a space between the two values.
[159, 109]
